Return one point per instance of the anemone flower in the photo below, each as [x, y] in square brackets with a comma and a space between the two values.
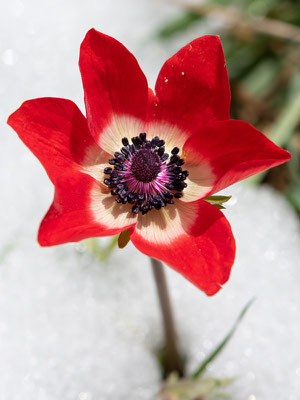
[144, 161]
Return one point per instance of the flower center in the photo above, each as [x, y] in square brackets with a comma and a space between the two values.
[145, 165]
[144, 175]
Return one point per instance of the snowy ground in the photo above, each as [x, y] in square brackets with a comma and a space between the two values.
[73, 329]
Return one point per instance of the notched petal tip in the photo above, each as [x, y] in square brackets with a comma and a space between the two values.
[286, 156]
[44, 236]
[91, 33]
[213, 290]
[213, 38]
[14, 117]
[43, 242]
[10, 119]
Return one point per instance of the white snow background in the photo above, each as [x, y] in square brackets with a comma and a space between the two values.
[74, 329]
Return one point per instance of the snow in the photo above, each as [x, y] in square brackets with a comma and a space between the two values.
[72, 328]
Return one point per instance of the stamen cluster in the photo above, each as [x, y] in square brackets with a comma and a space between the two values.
[144, 175]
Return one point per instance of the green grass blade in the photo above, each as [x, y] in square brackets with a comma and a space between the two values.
[286, 123]
[101, 252]
[220, 347]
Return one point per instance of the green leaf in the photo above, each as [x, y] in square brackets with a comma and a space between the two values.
[290, 115]
[261, 76]
[286, 123]
[220, 347]
[6, 250]
[293, 195]
[179, 24]
[101, 252]
[123, 239]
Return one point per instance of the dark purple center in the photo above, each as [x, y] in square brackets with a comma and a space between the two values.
[145, 165]
[144, 175]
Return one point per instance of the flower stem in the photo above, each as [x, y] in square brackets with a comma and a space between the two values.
[172, 359]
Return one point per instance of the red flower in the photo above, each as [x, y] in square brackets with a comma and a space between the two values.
[105, 184]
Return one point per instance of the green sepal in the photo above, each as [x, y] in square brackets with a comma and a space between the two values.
[219, 206]
[218, 201]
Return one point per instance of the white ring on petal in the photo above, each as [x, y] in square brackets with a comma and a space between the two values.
[107, 211]
[164, 225]
[201, 178]
[94, 162]
[121, 126]
[199, 182]
[171, 134]
[126, 126]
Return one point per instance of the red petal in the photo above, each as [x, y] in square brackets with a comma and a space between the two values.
[235, 150]
[193, 87]
[195, 239]
[81, 209]
[112, 80]
[56, 132]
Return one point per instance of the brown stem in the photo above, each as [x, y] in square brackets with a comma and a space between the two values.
[236, 19]
[172, 361]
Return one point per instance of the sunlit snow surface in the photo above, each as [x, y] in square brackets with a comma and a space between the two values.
[71, 328]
